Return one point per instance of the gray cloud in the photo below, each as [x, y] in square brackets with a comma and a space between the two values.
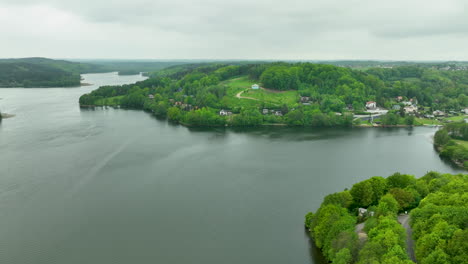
[275, 29]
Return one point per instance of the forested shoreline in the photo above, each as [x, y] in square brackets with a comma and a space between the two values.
[451, 141]
[300, 94]
[438, 205]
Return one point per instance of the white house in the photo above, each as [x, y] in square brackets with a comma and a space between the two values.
[411, 109]
[438, 113]
[371, 105]
[255, 86]
[151, 96]
[224, 112]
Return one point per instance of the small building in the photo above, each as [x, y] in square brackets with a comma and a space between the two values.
[278, 113]
[151, 96]
[224, 112]
[399, 98]
[438, 113]
[371, 105]
[305, 99]
[396, 107]
[365, 212]
[265, 111]
[465, 111]
[255, 87]
[408, 103]
[411, 109]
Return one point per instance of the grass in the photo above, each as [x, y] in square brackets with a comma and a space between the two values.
[265, 98]
[425, 121]
[464, 143]
[456, 118]
[110, 101]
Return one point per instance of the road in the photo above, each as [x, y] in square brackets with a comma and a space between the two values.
[404, 221]
[239, 95]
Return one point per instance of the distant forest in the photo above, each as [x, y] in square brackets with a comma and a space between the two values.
[42, 72]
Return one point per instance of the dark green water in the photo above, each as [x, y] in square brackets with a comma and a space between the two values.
[115, 186]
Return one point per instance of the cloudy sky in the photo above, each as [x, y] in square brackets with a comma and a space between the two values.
[235, 29]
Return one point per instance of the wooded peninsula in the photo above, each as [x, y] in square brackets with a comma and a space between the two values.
[295, 94]
[369, 222]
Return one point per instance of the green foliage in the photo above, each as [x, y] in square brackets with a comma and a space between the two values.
[439, 222]
[363, 194]
[343, 199]
[388, 205]
[454, 150]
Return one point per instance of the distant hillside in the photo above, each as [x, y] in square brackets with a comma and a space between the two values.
[42, 72]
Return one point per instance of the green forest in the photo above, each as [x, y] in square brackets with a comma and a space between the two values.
[452, 143]
[43, 72]
[194, 94]
[438, 211]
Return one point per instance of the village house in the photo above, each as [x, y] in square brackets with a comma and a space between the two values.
[304, 99]
[151, 96]
[399, 98]
[365, 212]
[255, 87]
[371, 105]
[411, 109]
[265, 111]
[225, 113]
[438, 113]
[465, 111]
[278, 113]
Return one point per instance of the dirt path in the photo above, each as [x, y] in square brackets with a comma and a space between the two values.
[404, 221]
[239, 95]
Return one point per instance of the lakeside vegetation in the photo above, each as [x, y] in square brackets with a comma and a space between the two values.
[439, 213]
[296, 94]
[42, 72]
[452, 143]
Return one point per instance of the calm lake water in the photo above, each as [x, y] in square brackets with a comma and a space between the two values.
[118, 186]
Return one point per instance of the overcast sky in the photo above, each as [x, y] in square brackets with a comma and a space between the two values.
[235, 29]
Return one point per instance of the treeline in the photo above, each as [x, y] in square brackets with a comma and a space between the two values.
[22, 74]
[198, 94]
[441, 219]
[331, 91]
[445, 142]
[333, 225]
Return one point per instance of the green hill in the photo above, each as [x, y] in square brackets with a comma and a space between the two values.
[42, 72]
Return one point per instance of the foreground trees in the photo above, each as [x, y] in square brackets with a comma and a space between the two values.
[438, 220]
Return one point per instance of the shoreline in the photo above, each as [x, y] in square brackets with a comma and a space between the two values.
[275, 124]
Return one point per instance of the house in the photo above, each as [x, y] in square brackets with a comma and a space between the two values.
[408, 103]
[278, 113]
[438, 113]
[396, 107]
[151, 96]
[265, 111]
[371, 105]
[305, 99]
[255, 87]
[465, 111]
[224, 112]
[399, 98]
[364, 212]
[410, 109]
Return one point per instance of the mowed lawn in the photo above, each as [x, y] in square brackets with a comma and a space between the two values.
[464, 143]
[457, 118]
[110, 101]
[265, 98]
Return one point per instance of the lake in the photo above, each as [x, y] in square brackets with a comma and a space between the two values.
[120, 186]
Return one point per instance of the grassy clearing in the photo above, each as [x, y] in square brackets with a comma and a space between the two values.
[425, 121]
[456, 118]
[110, 101]
[462, 142]
[265, 98]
